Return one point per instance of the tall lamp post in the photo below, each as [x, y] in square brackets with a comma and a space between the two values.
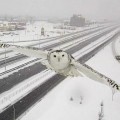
[5, 58]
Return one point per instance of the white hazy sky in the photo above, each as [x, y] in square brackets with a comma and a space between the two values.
[92, 9]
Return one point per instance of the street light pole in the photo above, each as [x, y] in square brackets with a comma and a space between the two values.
[19, 35]
[5, 58]
[13, 112]
[39, 43]
[13, 41]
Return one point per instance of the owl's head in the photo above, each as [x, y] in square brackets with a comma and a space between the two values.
[59, 59]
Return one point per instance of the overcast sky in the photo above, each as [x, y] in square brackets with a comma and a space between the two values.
[92, 9]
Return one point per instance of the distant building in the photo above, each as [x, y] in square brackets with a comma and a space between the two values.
[10, 26]
[4, 26]
[67, 22]
[77, 20]
[42, 31]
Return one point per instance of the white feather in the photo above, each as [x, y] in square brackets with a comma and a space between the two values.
[28, 51]
[94, 75]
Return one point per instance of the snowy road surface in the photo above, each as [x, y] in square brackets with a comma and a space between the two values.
[68, 43]
[59, 79]
[24, 73]
[47, 43]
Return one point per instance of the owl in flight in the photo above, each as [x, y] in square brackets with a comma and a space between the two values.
[63, 63]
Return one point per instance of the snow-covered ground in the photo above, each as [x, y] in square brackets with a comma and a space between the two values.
[33, 32]
[58, 103]
[17, 92]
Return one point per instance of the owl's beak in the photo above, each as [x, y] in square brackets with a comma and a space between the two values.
[58, 59]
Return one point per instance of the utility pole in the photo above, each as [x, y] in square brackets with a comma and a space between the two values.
[13, 41]
[5, 58]
[19, 36]
[13, 112]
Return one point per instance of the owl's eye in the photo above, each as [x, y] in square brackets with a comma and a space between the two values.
[63, 55]
[54, 55]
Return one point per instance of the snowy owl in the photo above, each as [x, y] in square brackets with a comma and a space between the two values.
[63, 63]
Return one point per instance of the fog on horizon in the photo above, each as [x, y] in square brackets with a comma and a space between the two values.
[91, 9]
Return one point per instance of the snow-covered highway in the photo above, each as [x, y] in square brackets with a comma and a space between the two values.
[56, 45]
[71, 50]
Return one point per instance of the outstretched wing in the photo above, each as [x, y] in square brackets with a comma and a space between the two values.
[94, 75]
[28, 51]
